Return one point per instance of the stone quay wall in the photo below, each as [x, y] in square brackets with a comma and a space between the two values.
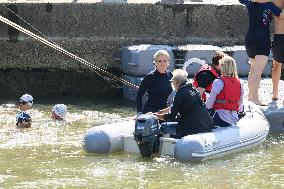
[96, 32]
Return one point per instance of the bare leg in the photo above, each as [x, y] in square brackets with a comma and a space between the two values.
[276, 73]
[252, 64]
[254, 77]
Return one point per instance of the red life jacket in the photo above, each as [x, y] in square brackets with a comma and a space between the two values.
[205, 67]
[229, 97]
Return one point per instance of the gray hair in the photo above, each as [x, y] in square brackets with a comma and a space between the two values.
[180, 75]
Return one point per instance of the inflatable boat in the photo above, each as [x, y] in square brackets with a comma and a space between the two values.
[143, 137]
[275, 118]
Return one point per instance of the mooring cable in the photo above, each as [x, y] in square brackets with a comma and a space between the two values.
[67, 53]
[108, 80]
[24, 21]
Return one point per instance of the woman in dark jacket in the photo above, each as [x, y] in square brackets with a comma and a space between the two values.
[193, 115]
[156, 84]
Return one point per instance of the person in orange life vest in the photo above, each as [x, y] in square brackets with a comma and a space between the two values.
[207, 74]
[226, 96]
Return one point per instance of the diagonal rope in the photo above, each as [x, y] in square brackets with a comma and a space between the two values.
[108, 80]
[25, 21]
[111, 77]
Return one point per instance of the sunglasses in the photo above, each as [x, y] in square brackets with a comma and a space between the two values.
[21, 102]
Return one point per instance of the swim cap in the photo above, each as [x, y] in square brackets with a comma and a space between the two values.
[23, 116]
[60, 110]
[27, 98]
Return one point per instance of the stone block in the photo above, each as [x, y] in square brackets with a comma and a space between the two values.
[130, 93]
[138, 60]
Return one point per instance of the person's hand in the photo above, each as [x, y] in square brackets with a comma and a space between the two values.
[159, 115]
[200, 90]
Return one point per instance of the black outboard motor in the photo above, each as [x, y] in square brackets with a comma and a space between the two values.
[147, 134]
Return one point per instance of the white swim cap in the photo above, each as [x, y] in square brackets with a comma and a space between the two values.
[27, 98]
[60, 110]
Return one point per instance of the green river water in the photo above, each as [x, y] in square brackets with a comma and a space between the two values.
[50, 155]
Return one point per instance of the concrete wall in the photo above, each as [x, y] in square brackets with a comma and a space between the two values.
[97, 32]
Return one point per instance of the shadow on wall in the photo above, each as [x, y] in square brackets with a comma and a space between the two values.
[44, 83]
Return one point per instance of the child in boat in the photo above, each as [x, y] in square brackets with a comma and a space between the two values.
[23, 119]
[59, 112]
[226, 96]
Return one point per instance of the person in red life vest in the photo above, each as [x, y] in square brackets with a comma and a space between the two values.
[207, 74]
[226, 96]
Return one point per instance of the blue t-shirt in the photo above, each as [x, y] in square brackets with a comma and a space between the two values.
[158, 88]
[260, 17]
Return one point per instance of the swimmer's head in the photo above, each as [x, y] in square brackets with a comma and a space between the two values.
[59, 112]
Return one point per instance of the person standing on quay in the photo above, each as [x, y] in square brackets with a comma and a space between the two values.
[277, 50]
[258, 42]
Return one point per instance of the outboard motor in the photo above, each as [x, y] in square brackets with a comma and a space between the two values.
[147, 134]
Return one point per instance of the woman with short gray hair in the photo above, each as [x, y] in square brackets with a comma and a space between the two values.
[180, 75]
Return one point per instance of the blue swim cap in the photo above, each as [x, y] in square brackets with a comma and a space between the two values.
[23, 116]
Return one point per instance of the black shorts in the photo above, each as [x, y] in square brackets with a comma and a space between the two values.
[253, 50]
[278, 48]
